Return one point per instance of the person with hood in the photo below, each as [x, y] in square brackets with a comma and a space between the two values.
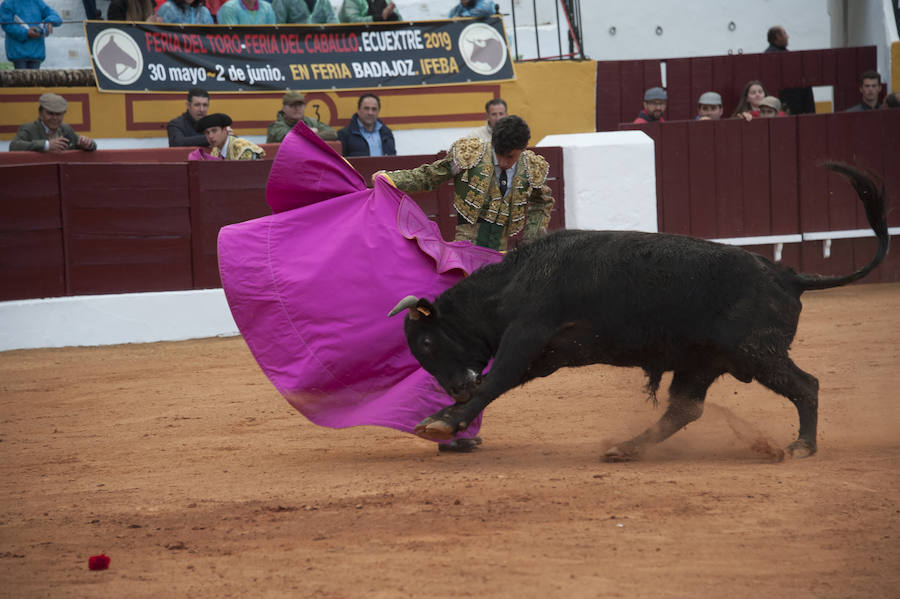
[27, 23]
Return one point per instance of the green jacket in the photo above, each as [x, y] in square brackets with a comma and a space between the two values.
[357, 11]
[281, 127]
[470, 164]
[31, 136]
[296, 11]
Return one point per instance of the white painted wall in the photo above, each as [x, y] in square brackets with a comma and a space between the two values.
[610, 180]
[111, 319]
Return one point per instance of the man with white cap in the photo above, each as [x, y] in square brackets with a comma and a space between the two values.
[49, 133]
[709, 107]
[654, 105]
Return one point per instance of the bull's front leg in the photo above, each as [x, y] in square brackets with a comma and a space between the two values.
[520, 345]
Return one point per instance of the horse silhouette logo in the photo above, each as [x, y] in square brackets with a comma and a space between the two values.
[483, 48]
[117, 56]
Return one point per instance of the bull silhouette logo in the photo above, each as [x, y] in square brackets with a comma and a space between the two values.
[117, 56]
[483, 48]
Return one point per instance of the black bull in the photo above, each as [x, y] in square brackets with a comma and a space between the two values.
[656, 301]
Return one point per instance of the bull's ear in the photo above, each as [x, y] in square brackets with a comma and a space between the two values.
[423, 310]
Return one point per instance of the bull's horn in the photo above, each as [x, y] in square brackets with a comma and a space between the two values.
[409, 301]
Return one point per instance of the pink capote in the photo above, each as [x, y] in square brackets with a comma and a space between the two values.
[310, 288]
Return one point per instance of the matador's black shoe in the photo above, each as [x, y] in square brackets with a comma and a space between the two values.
[460, 445]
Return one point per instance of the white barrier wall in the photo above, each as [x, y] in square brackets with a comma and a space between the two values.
[610, 180]
[111, 319]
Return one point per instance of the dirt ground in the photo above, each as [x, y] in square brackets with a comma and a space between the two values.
[184, 465]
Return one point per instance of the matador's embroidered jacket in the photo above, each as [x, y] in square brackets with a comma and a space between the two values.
[469, 162]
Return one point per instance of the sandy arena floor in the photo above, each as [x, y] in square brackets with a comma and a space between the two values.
[184, 465]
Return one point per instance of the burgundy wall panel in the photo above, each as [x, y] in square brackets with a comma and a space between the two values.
[126, 227]
[729, 182]
[701, 171]
[682, 104]
[608, 104]
[32, 262]
[812, 148]
[755, 177]
[783, 176]
[675, 177]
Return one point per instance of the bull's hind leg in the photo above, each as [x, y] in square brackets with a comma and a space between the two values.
[785, 378]
[686, 395]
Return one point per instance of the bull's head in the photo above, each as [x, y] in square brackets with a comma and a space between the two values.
[441, 349]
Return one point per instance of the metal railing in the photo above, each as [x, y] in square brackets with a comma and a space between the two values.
[567, 12]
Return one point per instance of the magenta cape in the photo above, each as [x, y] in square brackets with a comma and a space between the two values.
[310, 288]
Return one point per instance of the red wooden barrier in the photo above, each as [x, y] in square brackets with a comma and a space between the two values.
[70, 227]
[31, 247]
[621, 84]
[126, 227]
[731, 179]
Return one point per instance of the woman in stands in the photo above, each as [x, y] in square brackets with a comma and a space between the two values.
[132, 10]
[748, 107]
[193, 12]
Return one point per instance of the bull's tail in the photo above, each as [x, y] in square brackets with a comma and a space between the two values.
[871, 194]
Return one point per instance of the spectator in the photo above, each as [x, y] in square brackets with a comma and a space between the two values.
[748, 107]
[304, 11]
[495, 110]
[472, 8]
[90, 9]
[709, 107]
[366, 11]
[778, 39]
[366, 135]
[193, 12]
[499, 186]
[183, 129]
[770, 107]
[293, 106]
[246, 12]
[132, 10]
[27, 23]
[654, 105]
[870, 88]
[49, 133]
[224, 146]
[892, 101]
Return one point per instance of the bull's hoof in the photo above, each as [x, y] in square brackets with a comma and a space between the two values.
[625, 452]
[801, 449]
[435, 430]
[443, 425]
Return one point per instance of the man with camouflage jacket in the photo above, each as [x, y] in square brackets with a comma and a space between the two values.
[499, 187]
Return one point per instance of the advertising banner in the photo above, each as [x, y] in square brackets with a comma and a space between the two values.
[164, 57]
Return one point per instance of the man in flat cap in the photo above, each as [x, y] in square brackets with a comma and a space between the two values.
[654, 105]
[709, 107]
[223, 146]
[49, 133]
[293, 108]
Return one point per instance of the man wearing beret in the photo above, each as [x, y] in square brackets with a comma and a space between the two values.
[293, 110]
[223, 146]
[48, 133]
[654, 106]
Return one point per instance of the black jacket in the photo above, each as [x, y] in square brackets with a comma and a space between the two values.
[182, 133]
[354, 144]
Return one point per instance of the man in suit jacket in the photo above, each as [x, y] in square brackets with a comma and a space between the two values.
[49, 133]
